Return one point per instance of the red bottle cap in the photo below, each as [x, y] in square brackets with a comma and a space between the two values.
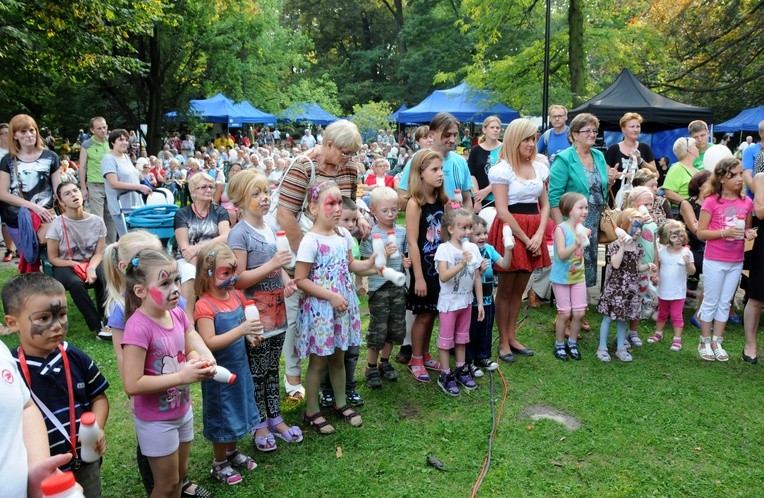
[58, 483]
[391, 233]
[88, 418]
[249, 303]
[232, 379]
[377, 235]
[280, 233]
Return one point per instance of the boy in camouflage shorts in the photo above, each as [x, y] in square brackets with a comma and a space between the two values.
[387, 302]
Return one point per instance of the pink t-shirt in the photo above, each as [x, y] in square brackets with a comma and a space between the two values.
[723, 214]
[165, 354]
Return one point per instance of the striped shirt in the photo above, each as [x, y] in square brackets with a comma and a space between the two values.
[295, 186]
[49, 384]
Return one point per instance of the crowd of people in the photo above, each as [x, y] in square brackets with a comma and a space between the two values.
[270, 231]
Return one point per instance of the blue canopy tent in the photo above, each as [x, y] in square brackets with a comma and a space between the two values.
[466, 103]
[747, 120]
[221, 109]
[394, 116]
[308, 113]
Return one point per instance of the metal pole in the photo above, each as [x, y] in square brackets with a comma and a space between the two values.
[545, 96]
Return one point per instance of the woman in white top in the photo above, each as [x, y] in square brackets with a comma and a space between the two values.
[123, 184]
[519, 190]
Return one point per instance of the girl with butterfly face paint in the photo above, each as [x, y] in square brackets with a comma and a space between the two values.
[229, 411]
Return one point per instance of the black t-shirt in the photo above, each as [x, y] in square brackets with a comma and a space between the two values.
[30, 180]
[614, 156]
[478, 163]
[200, 229]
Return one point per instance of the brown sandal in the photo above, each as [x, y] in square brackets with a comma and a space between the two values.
[323, 428]
[349, 415]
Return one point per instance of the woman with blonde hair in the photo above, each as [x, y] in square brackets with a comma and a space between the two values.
[482, 156]
[518, 183]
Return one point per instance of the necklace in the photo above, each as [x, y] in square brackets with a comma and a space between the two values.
[199, 215]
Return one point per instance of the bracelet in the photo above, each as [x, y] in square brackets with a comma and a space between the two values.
[91, 268]
[721, 234]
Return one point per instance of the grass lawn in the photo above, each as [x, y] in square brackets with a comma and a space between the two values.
[668, 424]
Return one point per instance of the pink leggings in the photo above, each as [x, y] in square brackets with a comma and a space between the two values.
[673, 308]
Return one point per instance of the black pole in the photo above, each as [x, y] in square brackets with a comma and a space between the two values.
[545, 95]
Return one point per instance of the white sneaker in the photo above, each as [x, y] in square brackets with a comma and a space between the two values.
[104, 334]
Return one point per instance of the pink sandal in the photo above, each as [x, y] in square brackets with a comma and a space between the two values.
[416, 366]
[430, 363]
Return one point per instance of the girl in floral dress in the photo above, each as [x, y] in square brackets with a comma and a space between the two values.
[621, 300]
[328, 314]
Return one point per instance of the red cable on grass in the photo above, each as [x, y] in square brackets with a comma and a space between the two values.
[486, 460]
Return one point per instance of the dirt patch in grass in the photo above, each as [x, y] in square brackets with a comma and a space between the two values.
[409, 411]
[539, 412]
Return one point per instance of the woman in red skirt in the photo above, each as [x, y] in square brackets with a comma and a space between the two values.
[519, 187]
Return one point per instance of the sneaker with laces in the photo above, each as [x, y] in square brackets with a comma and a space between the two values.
[486, 363]
[104, 334]
[603, 355]
[464, 377]
[623, 355]
[634, 339]
[475, 371]
[387, 371]
[447, 383]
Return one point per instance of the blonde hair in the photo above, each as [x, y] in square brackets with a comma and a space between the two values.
[344, 135]
[634, 194]
[643, 176]
[382, 194]
[242, 185]
[206, 264]
[487, 121]
[626, 217]
[671, 226]
[517, 131]
[419, 163]
[195, 180]
[449, 219]
[124, 250]
[682, 146]
[628, 117]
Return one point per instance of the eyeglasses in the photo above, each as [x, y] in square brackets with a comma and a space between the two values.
[388, 212]
[558, 116]
[205, 187]
[589, 132]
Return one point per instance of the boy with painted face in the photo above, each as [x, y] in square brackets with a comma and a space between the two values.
[64, 381]
[675, 263]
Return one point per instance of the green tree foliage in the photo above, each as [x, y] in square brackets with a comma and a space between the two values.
[371, 117]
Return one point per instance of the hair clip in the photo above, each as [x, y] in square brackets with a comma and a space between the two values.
[315, 190]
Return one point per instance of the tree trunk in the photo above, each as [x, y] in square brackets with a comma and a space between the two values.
[576, 56]
[154, 86]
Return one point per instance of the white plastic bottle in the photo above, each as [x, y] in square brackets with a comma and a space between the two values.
[396, 277]
[581, 229]
[282, 244]
[89, 432]
[740, 223]
[477, 259]
[392, 239]
[250, 311]
[621, 233]
[60, 485]
[378, 246]
[457, 198]
[506, 234]
[643, 210]
[223, 375]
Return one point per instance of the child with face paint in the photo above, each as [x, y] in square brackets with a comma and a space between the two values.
[54, 370]
[263, 281]
[621, 300]
[675, 263]
[641, 198]
[115, 259]
[328, 316]
[162, 355]
[229, 411]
